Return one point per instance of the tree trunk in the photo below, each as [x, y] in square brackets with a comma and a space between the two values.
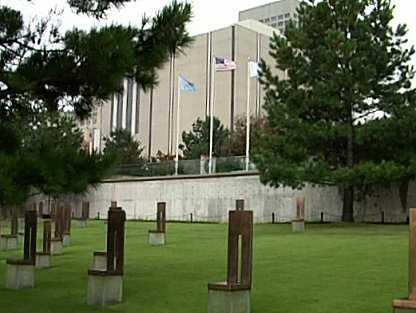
[348, 200]
[348, 204]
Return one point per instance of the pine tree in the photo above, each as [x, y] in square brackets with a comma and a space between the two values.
[196, 142]
[126, 149]
[43, 70]
[345, 115]
[77, 68]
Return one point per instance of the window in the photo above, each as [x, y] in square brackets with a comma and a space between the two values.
[274, 25]
[280, 24]
[129, 103]
[287, 15]
[273, 18]
[94, 118]
[280, 17]
[138, 101]
[266, 20]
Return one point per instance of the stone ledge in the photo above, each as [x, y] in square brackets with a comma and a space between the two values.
[222, 285]
[97, 272]
[404, 303]
[9, 236]
[100, 253]
[43, 253]
[20, 261]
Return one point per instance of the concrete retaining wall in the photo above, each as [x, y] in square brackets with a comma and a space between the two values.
[208, 198]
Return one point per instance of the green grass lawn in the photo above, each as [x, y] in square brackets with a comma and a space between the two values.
[331, 268]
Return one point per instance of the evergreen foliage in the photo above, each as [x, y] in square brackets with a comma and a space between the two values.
[124, 147]
[196, 142]
[238, 139]
[345, 115]
[43, 72]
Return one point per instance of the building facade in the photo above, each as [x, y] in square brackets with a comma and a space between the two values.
[275, 14]
[152, 116]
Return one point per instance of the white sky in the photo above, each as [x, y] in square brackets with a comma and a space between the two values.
[208, 14]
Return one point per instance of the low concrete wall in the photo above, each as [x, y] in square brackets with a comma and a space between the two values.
[210, 197]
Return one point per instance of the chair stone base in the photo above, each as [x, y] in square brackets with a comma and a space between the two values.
[100, 260]
[20, 238]
[404, 306]
[228, 301]
[298, 225]
[43, 260]
[21, 221]
[56, 246]
[8, 242]
[66, 240]
[104, 289]
[19, 275]
[157, 238]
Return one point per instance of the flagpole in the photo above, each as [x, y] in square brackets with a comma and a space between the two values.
[171, 100]
[211, 115]
[248, 116]
[177, 128]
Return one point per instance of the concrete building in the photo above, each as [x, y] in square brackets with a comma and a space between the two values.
[275, 14]
[152, 117]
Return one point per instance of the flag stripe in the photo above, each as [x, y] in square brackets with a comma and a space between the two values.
[222, 65]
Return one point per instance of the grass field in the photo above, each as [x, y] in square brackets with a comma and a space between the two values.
[331, 268]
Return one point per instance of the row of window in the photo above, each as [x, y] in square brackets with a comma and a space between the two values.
[280, 24]
[279, 17]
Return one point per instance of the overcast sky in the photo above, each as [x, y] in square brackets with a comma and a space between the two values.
[208, 14]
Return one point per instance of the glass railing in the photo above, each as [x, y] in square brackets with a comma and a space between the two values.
[186, 167]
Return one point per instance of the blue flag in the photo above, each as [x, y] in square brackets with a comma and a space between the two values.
[186, 85]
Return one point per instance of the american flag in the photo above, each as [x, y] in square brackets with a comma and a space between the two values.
[222, 65]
